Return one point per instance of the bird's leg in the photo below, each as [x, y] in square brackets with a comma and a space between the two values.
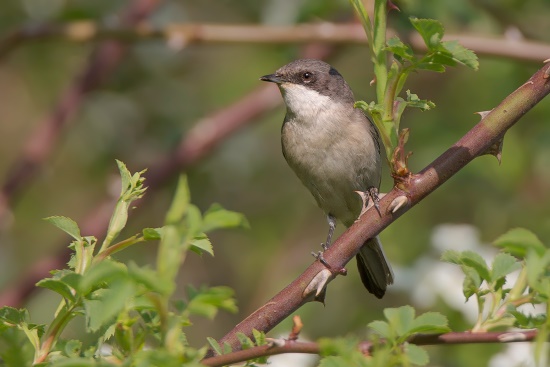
[370, 198]
[331, 226]
[373, 193]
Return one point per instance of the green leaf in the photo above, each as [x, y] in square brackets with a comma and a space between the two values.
[337, 346]
[430, 322]
[452, 256]
[400, 50]
[537, 272]
[180, 203]
[259, 337]
[414, 101]
[431, 30]
[148, 278]
[430, 66]
[217, 217]
[245, 341]
[67, 225]
[207, 301]
[103, 305]
[58, 286]
[382, 328]
[461, 54]
[472, 282]
[504, 264]
[202, 244]
[151, 234]
[13, 316]
[416, 355]
[103, 272]
[518, 241]
[215, 345]
[475, 261]
[400, 319]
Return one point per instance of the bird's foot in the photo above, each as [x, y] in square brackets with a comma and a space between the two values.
[370, 198]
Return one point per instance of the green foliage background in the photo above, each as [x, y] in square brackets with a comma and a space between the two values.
[157, 95]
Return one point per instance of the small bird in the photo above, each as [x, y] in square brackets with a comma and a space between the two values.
[334, 149]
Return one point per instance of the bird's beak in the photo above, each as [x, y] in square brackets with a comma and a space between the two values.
[273, 78]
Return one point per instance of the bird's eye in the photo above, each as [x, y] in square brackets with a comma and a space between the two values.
[306, 76]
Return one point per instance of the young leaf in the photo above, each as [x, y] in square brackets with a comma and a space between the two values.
[475, 261]
[12, 316]
[58, 286]
[382, 328]
[67, 225]
[246, 342]
[414, 101]
[431, 30]
[217, 217]
[131, 189]
[416, 355]
[103, 305]
[180, 202]
[472, 282]
[215, 345]
[400, 50]
[518, 241]
[151, 234]
[202, 244]
[400, 319]
[504, 264]
[207, 301]
[103, 272]
[430, 322]
[461, 54]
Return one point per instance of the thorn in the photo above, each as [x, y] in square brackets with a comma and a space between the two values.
[547, 72]
[496, 150]
[398, 203]
[483, 113]
[392, 6]
[318, 283]
[512, 337]
[271, 342]
[372, 82]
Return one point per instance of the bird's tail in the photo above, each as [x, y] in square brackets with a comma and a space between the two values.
[374, 269]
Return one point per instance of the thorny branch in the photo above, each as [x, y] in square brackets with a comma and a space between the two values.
[291, 346]
[476, 142]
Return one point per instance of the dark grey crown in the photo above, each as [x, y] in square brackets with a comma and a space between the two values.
[316, 75]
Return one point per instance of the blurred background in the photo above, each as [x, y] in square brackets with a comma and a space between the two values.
[139, 107]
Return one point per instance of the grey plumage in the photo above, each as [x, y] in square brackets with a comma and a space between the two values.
[334, 149]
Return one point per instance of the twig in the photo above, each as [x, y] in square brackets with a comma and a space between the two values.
[476, 142]
[365, 347]
[180, 35]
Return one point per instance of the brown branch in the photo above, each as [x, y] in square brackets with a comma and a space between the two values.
[180, 35]
[47, 132]
[476, 142]
[281, 346]
[200, 141]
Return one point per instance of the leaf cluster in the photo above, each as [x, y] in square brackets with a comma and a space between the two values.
[393, 62]
[521, 251]
[128, 309]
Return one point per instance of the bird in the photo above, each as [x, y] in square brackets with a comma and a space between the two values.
[334, 149]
